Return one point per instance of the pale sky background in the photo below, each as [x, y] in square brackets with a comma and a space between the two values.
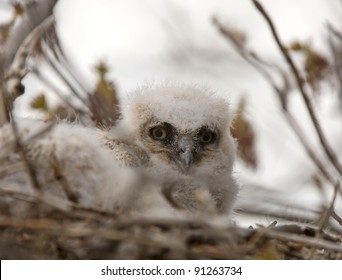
[157, 40]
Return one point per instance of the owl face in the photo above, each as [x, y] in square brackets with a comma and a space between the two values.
[184, 127]
[184, 148]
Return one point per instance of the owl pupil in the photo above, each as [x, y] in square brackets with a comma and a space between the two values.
[206, 137]
[158, 133]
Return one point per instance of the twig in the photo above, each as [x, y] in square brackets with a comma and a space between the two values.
[34, 14]
[336, 217]
[327, 213]
[81, 229]
[9, 146]
[300, 83]
[334, 31]
[309, 241]
[56, 91]
[59, 176]
[21, 149]
[259, 65]
[11, 168]
[336, 50]
[3, 110]
[325, 218]
[50, 38]
[259, 234]
[68, 207]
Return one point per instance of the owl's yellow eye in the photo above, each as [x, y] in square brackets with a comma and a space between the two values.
[159, 133]
[206, 136]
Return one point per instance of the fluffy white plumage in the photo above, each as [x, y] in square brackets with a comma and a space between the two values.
[69, 162]
[186, 111]
[132, 166]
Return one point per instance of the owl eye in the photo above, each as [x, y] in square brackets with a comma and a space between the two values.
[159, 133]
[206, 136]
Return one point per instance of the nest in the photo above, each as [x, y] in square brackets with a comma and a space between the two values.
[88, 234]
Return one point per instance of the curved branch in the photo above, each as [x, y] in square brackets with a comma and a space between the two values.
[300, 84]
[34, 14]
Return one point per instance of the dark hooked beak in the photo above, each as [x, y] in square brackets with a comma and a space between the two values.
[184, 156]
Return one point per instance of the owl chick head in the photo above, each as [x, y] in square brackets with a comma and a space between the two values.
[180, 125]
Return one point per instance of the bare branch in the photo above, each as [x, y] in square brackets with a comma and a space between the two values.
[335, 44]
[28, 165]
[253, 59]
[324, 220]
[300, 84]
[312, 242]
[328, 212]
[34, 14]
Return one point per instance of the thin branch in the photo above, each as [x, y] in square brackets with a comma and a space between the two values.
[335, 44]
[11, 168]
[3, 111]
[327, 213]
[22, 152]
[300, 83]
[337, 34]
[259, 234]
[309, 241]
[324, 220]
[50, 44]
[66, 100]
[68, 207]
[336, 217]
[34, 14]
[259, 65]
[305, 143]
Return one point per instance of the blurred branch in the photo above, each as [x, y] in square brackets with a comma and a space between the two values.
[328, 212]
[54, 56]
[310, 241]
[335, 43]
[300, 84]
[3, 111]
[66, 206]
[22, 152]
[33, 15]
[260, 65]
[336, 217]
[324, 220]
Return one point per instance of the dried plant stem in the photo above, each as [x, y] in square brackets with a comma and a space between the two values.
[55, 57]
[21, 149]
[300, 84]
[305, 143]
[259, 65]
[34, 14]
[324, 220]
[67, 207]
[259, 234]
[308, 241]
[327, 213]
[335, 44]
[336, 217]
[3, 110]
[65, 99]
[82, 229]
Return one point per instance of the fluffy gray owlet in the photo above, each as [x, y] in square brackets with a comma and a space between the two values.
[176, 138]
[179, 135]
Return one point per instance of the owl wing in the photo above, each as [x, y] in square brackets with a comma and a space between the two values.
[127, 154]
